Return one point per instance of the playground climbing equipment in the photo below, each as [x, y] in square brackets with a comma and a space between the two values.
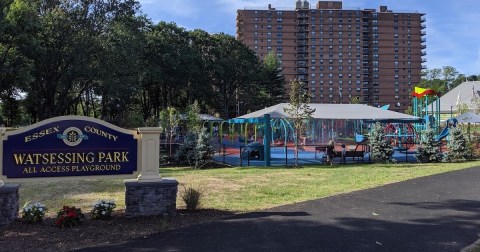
[422, 98]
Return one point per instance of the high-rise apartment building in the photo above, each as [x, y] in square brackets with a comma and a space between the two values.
[372, 55]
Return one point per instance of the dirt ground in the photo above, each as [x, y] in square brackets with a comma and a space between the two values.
[20, 236]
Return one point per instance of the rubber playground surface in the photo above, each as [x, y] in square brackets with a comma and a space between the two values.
[285, 156]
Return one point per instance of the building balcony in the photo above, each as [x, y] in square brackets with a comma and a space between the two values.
[301, 63]
[424, 66]
[424, 60]
[423, 47]
[302, 71]
[423, 53]
[423, 40]
[423, 20]
[424, 33]
[424, 27]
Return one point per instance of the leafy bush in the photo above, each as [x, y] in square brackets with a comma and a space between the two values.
[457, 146]
[33, 212]
[195, 151]
[381, 149]
[428, 149]
[69, 217]
[102, 209]
[191, 197]
[186, 152]
[204, 147]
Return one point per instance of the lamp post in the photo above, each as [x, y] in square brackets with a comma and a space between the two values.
[451, 111]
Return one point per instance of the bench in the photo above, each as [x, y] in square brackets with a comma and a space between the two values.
[338, 154]
[319, 149]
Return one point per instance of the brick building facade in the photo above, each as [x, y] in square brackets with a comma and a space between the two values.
[372, 55]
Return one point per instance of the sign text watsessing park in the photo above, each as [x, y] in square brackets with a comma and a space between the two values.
[69, 146]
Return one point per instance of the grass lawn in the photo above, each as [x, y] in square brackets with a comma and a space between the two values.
[241, 189]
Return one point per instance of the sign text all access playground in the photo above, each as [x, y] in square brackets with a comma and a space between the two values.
[69, 146]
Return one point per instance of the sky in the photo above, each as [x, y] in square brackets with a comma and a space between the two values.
[453, 26]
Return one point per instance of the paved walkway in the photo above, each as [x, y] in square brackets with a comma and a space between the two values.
[435, 213]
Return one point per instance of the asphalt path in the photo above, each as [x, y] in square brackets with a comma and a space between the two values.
[434, 213]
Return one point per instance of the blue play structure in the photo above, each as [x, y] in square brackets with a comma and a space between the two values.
[452, 122]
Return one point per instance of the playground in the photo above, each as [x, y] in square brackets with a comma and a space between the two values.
[243, 139]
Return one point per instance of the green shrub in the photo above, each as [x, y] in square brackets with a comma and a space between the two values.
[457, 146]
[428, 149]
[381, 149]
[195, 151]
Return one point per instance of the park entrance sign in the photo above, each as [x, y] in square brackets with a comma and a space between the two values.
[69, 146]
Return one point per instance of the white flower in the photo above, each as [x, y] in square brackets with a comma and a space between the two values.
[103, 212]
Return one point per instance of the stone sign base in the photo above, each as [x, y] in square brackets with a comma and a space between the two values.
[150, 198]
[8, 204]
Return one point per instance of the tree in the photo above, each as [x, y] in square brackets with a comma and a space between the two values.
[381, 149]
[235, 75]
[457, 146]
[440, 79]
[123, 46]
[355, 100]
[204, 148]
[299, 110]
[196, 150]
[462, 108]
[449, 75]
[273, 80]
[428, 149]
[169, 120]
[194, 123]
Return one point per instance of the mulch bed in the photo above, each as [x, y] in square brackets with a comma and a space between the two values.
[20, 236]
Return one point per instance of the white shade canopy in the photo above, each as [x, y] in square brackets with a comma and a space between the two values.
[468, 117]
[336, 111]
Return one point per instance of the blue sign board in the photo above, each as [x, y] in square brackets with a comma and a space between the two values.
[69, 146]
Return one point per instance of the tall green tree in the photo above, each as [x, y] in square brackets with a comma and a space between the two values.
[119, 78]
[169, 121]
[273, 80]
[194, 122]
[299, 111]
[235, 74]
[440, 79]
